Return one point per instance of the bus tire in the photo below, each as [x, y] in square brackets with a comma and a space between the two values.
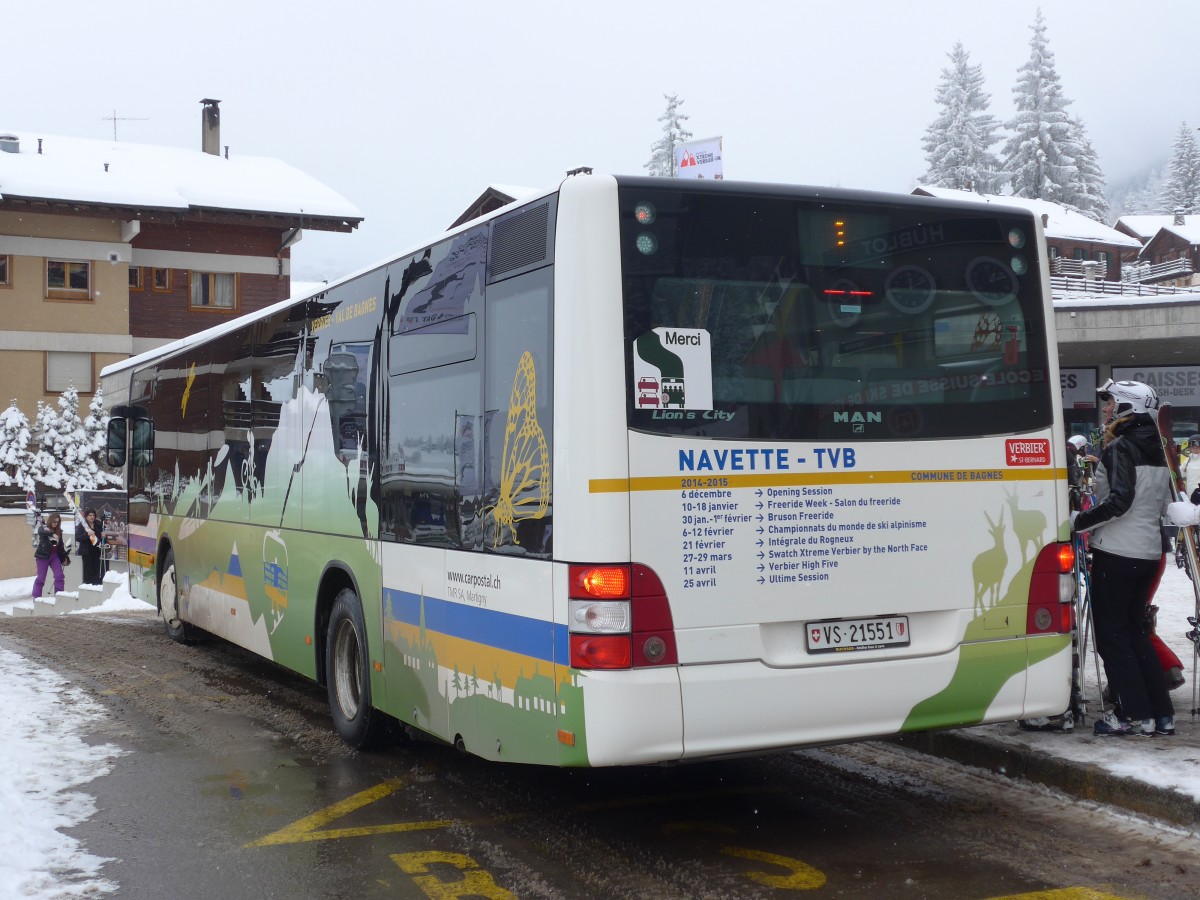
[168, 602]
[348, 676]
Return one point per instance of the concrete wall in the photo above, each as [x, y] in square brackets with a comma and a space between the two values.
[1160, 332]
[17, 540]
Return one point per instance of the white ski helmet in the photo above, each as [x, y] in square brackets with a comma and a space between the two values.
[1132, 396]
[1078, 441]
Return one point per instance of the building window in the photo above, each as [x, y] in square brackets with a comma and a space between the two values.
[1053, 252]
[68, 279]
[214, 290]
[1079, 253]
[64, 369]
[135, 278]
[162, 281]
[5, 271]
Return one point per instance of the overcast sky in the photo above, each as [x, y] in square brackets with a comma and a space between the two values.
[411, 110]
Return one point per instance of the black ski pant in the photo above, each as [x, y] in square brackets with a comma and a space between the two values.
[91, 568]
[1121, 589]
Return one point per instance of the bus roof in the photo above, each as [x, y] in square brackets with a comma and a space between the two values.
[723, 186]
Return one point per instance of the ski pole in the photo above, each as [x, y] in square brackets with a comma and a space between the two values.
[1090, 633]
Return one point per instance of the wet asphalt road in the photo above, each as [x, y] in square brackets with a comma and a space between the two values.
[234, 786]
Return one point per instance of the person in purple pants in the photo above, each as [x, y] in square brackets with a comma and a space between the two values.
[49, 554]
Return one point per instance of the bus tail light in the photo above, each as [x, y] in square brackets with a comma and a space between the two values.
[619, 618]
[612, 651]
[653, 627]
[1052, 591]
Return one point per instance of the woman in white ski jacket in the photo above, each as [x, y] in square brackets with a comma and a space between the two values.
[1133, 488]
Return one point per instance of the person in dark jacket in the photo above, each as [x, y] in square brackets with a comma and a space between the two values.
[1124, 527]
[89, 540]
[49, 554]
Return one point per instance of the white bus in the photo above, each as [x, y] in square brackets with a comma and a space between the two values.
[638, 471]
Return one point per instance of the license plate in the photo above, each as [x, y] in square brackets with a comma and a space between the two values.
[847, 635]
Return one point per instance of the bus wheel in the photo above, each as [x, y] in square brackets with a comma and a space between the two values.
[347, 676]
[168, 602]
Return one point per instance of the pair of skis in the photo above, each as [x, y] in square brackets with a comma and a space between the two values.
[81, 519]
[31, 506]
[1187, 535]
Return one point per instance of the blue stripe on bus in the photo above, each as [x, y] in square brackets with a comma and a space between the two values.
[536, 638]
[143, 542]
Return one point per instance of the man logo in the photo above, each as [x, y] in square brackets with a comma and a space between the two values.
[858, 419]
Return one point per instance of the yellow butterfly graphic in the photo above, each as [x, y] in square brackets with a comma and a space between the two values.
[525, 466]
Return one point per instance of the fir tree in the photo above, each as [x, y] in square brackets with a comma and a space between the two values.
[15, 458]
[1038, 156]
[1141, 196]
[1087, 193]
[662, 151]
[96, 428]
[958, 142]
[46, 468]
[74, 447]
[1181, 190]
[66, 451]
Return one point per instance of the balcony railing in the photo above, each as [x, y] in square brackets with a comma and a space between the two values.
[1079, 268]
[1061, 286]
[1145, 272]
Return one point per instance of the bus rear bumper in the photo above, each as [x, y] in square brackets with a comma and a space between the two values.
[732, 708]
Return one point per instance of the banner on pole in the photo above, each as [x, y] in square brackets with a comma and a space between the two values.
[699, 159]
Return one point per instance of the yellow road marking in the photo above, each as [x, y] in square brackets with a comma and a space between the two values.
[800, 876]
[474, 883]
[312, 828]
[477, 882]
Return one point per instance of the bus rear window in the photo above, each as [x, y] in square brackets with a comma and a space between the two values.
[756, 315]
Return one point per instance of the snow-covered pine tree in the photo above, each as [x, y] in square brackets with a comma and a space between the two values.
[1181, 190]
[662, 151]
[74, 446]
[1139, 196]
[45, 467]
[96, 427]
[1087, 193]
[1039, 156]
[958, 142]
[15, 458]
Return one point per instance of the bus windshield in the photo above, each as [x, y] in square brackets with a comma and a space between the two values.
[750, 315]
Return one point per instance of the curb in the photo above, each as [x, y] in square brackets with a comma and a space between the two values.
[1083, 781]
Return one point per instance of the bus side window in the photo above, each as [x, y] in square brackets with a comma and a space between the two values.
[116, 443]
[142, 449]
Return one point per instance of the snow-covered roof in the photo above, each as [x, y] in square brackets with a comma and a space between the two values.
[1146, 227]
[517, 191]
[1189, 232]
[494, 196]
[139, 176]
[1061, 223]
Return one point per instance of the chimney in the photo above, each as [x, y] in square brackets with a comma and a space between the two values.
[1178, 216]
[210, 127]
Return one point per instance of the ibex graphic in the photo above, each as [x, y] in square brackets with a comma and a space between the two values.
[989, 567]
[1028, 525]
